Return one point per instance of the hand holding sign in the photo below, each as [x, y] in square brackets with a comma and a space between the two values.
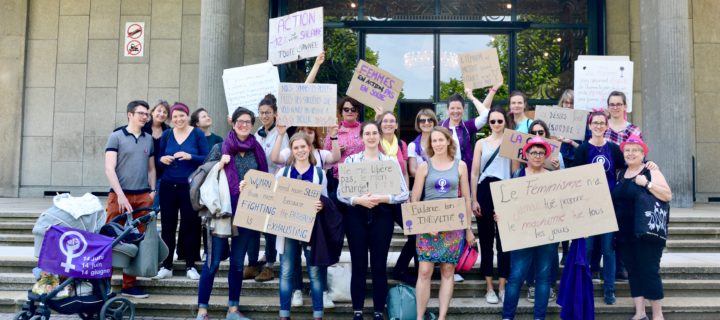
[296, 36]
[374, 87]
[435, 216]
[480, 69]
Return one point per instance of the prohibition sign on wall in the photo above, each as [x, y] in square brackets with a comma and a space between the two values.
[134, 35]
[134, 31]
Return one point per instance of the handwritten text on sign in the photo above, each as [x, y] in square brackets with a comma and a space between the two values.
[553, 207]
[480, 69]
[378, 177]
[296, 36]
[246, 86]
[283, 207]
[563, 122]
[435, 216]
[595, 79]
[514, 141]
[373, 86]
[307, 104]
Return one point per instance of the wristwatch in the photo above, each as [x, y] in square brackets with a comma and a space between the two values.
[648, 185]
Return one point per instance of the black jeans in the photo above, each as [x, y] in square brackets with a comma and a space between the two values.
[642, 260]
[174, 197]
[369, 229]
[409, 250]
[487, 232]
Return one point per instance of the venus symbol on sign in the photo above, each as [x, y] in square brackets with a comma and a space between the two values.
[408, 223]
[72, 248]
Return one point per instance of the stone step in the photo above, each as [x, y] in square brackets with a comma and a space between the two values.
[701, 308]
[180, 285]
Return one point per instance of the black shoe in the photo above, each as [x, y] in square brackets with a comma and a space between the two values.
[358, 315]
[378, 316]
[621, 276]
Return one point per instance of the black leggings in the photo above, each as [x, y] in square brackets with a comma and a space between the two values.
[409, 250]
[487, 230]
[369, 229]
[174, 197]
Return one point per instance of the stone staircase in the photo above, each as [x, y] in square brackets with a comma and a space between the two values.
[690, 271]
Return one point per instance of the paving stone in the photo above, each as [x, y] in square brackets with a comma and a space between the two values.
[38, 112]
[43, 18]
[102, 63]
[73, 39]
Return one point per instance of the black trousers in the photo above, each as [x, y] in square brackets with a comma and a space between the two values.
[642, 260]
[487, 233]
[369, 229]
[174, 197]
[409, 250]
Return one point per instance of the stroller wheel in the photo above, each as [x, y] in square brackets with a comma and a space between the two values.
[117, 308]
[40, 317]
[23, 315]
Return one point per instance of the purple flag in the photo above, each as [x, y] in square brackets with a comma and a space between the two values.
[75, 253]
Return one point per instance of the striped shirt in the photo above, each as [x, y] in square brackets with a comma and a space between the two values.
[621, 136]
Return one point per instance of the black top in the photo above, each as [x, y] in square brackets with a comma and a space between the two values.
[243, 164]
[623, 198]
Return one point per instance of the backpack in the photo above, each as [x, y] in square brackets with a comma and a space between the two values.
[197, 178]
[318, 171]
[401, 303]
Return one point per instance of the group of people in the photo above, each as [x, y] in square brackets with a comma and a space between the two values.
[147, 159]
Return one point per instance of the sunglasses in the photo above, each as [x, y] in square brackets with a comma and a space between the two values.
[423, 120]
[538, 132]
[349, 110]
[497, 121]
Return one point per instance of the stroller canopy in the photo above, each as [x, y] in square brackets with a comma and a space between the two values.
[84, 213]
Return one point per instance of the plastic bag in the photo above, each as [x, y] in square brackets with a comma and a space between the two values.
[338, 277]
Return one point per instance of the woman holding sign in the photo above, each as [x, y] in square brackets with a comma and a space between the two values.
[441, 177]
[537, 259]
[301, 166]
[238, 154]
[348, 137]
[641, 255]
[489, 167]
[369, 226]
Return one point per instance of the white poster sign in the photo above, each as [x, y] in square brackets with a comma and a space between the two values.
[246, 86]
[296, 36]
[595, 78]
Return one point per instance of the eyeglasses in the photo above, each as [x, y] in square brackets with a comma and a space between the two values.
[536, 154]
[350, 110]
[615, 105]
[538, 132]
[266, 113]
[497, 121]
[597, 123]
[241, 123]
[143, 114]
[389, 121]
[425, 120]
[629, 151]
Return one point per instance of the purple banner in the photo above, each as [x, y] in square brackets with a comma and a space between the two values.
[76, 253]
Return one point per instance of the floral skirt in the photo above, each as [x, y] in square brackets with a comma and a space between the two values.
[443, 247]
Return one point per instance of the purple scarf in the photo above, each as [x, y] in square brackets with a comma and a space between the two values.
[232, 146]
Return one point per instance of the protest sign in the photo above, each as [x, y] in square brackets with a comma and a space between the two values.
[553, 207]
[307, 104]
[296, 36]
[480, 69]
[377, 177]
[373, 86]
[595, 77]
[435, 216]
[283, 207]
[514, 141]
[76, 253]
[563, 122]
[247, 86]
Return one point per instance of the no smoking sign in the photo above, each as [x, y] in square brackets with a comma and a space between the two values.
[134, 39]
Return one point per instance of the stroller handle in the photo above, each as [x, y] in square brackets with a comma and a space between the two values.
[141, 220]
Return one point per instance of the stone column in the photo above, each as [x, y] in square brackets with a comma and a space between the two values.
[215, 31]
[13, 25]
[667, 101]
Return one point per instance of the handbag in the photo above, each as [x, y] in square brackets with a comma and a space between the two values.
[651, 217]
[467, 259]
[151, 252]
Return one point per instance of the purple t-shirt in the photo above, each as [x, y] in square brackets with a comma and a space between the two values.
[604, 156]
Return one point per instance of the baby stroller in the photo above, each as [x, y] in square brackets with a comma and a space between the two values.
[92, 297]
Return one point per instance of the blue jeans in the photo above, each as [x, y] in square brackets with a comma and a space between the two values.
[270, 251]
[530, 280]
[297, 277]
[608, 257]
[520, 262]
[238, 247]
[288, 275]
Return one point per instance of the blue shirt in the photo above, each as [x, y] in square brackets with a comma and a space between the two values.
[180, 170]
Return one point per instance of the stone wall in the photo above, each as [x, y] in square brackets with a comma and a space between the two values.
[78, 82]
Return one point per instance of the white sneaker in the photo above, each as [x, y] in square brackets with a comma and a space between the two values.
[458, 278]
[501, 295]
[163, 274]
[297, 299]
[192, 274]
[552, 295]
[491, 297]
[327, 302]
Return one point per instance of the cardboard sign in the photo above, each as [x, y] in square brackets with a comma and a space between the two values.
[283, 207]
[307, 104]
[296, 36]
[134, 39]
[563, 122]
[377, 177]
[553, 207]
[480, 69]
[435, 215]
[247, 86]
[373, 86]
[514, 141]
[596, 77]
